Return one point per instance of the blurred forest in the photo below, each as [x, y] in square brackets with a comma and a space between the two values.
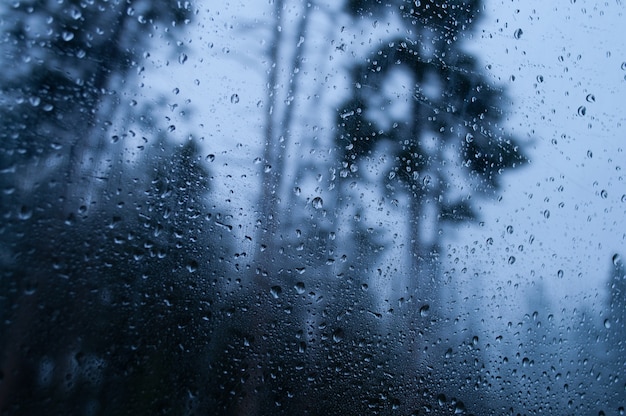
[123, 289]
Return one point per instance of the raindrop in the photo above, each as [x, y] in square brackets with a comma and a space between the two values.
[589, 154]
[511, 259]
[210, 157]
[604, 194]
[297, 190]
[560, 274]
[318, 203]
[546, 214]
[616, 259]
[607, 323]
[67, 36]
[509, 229]
[338, 335]
[299, 287]
[518, 33]
[540, 78]
[582, 110]
[623, 66]
[424, 310]
[275, 291]
[192, 266]
[591, 98]
[182, 58]
[234, 98]
[25, 213]
[469, 138]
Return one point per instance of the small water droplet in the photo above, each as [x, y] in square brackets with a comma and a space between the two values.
[589, 154]
[192, 266]
[424, 310]
[591, 98]
[299, 287]
[546, 214]
[67, 36]
[582, 110]
[318, 203]
[182, 58]
[210, 157]
[560, 274]
[540, 78]
[234, 98]
[509, 229]
[25, 213]
[275, 291]
[607, 323]
[338, 335]
[512, 260]
[518, 33]
[297, 190]
[469, 138]
[616, 259]
[604, 194]
[623, 66]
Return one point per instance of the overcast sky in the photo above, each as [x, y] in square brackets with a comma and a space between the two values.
[563, 70]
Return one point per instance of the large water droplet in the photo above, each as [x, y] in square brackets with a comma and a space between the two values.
[318, 203]
[182, 58]
[424, 310]
[518, 33]
[591, 98]
[234, 98]
[582, 110]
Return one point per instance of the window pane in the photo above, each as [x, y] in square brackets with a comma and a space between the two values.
[287, 207]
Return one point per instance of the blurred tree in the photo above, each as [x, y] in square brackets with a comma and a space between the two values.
[422, 127]
[107, 251]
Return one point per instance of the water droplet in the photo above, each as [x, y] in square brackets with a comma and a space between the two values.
[275, 291]
[511, 259]
[192, 266]
[589, 154]
[469, 138]
[604, 194]
[210, 157]
[234, 98]
[560, 274]
[364, 287]
[299, 287]
[25, 213]
[489, 241]
[424, 310]
[338, 335]
[182, 58]
[539, 78]
[509, 229]
[582, 110]
[591, 98]
[546, 214]
[616, 259]
[518, 33]
[297, 190]
[76, 14]
[67, 36]
[318, 203]
[607, 323]
[623, 66]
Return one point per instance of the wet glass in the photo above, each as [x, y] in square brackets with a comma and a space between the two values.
[288, 207]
